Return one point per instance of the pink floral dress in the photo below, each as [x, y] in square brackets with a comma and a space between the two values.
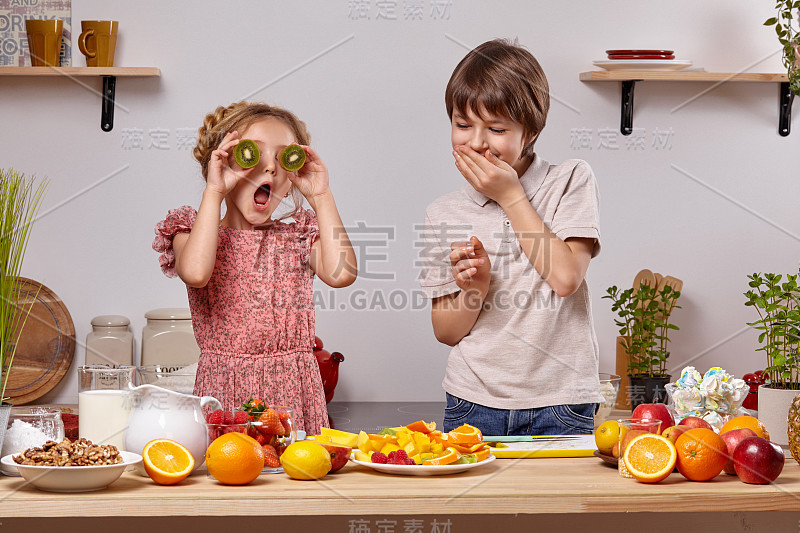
[254, 320]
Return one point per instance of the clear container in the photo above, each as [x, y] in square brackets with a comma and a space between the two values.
[168, 339]
[110, 342]
[30, 427]
[180, 380]
[104, 403]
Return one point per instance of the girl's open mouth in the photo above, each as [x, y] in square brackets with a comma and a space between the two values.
[261, 196]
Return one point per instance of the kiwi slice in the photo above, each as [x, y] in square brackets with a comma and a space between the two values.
[246, 153]
[292, 158]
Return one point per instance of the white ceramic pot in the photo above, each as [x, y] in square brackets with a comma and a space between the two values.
[773, 411]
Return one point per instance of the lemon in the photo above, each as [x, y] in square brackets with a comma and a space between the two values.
[306, 459]
[606, 435]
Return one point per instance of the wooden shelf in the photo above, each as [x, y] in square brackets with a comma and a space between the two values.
[109, 75]
[628, 79]
[120, 72]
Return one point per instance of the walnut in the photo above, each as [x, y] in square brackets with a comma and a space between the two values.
[66, 453]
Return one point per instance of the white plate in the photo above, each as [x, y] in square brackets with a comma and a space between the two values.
[73, 478]
[423, 470]
[643, 64]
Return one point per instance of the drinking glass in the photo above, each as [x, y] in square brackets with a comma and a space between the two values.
[648, 425]
[104, 403]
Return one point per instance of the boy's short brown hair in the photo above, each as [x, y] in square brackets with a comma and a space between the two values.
[503, 79]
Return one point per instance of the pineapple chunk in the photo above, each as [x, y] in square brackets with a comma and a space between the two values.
[403, 438]
[437, 447]
[363, 456]
[389, 447]
[411, 448]
[422, 442]
[363, 442]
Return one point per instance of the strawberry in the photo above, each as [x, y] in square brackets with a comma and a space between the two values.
[286, 421]
[270, 423]
[271, 457]
[215, 417]
[261, 439]
[253, 407]
[240, 417]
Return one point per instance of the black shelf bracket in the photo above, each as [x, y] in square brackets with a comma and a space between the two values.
[107, 112]
[785, 98]
[626, 118]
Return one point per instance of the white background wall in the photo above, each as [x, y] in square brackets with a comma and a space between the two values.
[371, 91]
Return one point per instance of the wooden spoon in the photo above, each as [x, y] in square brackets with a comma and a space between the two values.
[644, 276]
[676, 285]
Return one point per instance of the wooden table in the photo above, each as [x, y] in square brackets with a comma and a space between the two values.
[507, 495]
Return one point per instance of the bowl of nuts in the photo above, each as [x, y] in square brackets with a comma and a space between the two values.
[67, 466]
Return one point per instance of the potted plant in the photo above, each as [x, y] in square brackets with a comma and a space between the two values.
[19, 203]
[776, 302]
[644, 324]
[789, 38]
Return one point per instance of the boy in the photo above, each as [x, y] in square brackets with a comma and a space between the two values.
[508, 257]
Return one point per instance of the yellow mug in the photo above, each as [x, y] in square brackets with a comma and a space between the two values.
[44, 41]
[97, 41]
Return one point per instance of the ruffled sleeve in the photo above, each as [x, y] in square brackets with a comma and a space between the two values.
[306, 230]
[178, 220]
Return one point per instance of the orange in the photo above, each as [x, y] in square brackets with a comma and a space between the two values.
[650, 458]
[166, 461]
[235, 459]
[449, 456]
[422, 426]
[748, 422]
[467, 449]
[701, 454]
[305, 459]
[480, 455]
[465, 435]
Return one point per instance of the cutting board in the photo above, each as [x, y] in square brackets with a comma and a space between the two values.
[46, 347]
[582, 446]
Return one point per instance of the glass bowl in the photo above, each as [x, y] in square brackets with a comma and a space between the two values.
[30, 427]
[167, 377]
[609, 388]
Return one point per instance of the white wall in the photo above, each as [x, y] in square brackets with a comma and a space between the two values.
[371, 92]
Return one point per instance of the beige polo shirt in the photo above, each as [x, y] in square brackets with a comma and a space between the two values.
[529, 347]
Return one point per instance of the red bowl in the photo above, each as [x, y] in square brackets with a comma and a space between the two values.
[615, 57]
[641, 52]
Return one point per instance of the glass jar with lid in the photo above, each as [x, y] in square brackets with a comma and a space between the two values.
[110, 342]
[168, 339]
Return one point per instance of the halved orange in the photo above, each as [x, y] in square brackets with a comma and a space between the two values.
[650, 458]
[465, 434]
[450, 455]
[422, 426]
[167, 462]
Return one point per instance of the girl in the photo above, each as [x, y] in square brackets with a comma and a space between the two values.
[249, 277]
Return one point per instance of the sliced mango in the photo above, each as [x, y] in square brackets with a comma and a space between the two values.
[341, 438]
[363, 456]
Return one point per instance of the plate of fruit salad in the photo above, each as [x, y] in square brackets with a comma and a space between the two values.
[419, 449]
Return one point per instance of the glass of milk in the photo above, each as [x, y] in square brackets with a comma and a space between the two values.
[104, 403]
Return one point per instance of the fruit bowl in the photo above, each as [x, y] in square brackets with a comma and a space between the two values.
[609, 388]
[608, 459]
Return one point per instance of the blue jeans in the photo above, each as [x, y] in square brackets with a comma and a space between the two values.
[572, 419]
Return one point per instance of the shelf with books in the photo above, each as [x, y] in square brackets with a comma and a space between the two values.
[108, 74]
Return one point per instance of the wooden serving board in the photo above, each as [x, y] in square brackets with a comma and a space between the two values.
[46, 347]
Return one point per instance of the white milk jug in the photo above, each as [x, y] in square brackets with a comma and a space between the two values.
[158, 413]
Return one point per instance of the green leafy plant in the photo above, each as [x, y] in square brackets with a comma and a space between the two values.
[644, 320]
[776, 302]
[19, 202]
[789, 38]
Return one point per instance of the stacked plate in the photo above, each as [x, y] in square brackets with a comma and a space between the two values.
[641, 59]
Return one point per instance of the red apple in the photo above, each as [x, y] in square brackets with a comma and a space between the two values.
[732, 438]
[339, 456]
[695, 422]
[758, 460]
[655, 411]
[673, 432]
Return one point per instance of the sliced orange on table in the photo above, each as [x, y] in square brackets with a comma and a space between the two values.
[650, 458]
[450, 456]
[167, 462]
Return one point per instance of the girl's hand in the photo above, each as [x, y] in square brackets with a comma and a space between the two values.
[489, 175]
[312, 179]
[221, 177]
[471, 266]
